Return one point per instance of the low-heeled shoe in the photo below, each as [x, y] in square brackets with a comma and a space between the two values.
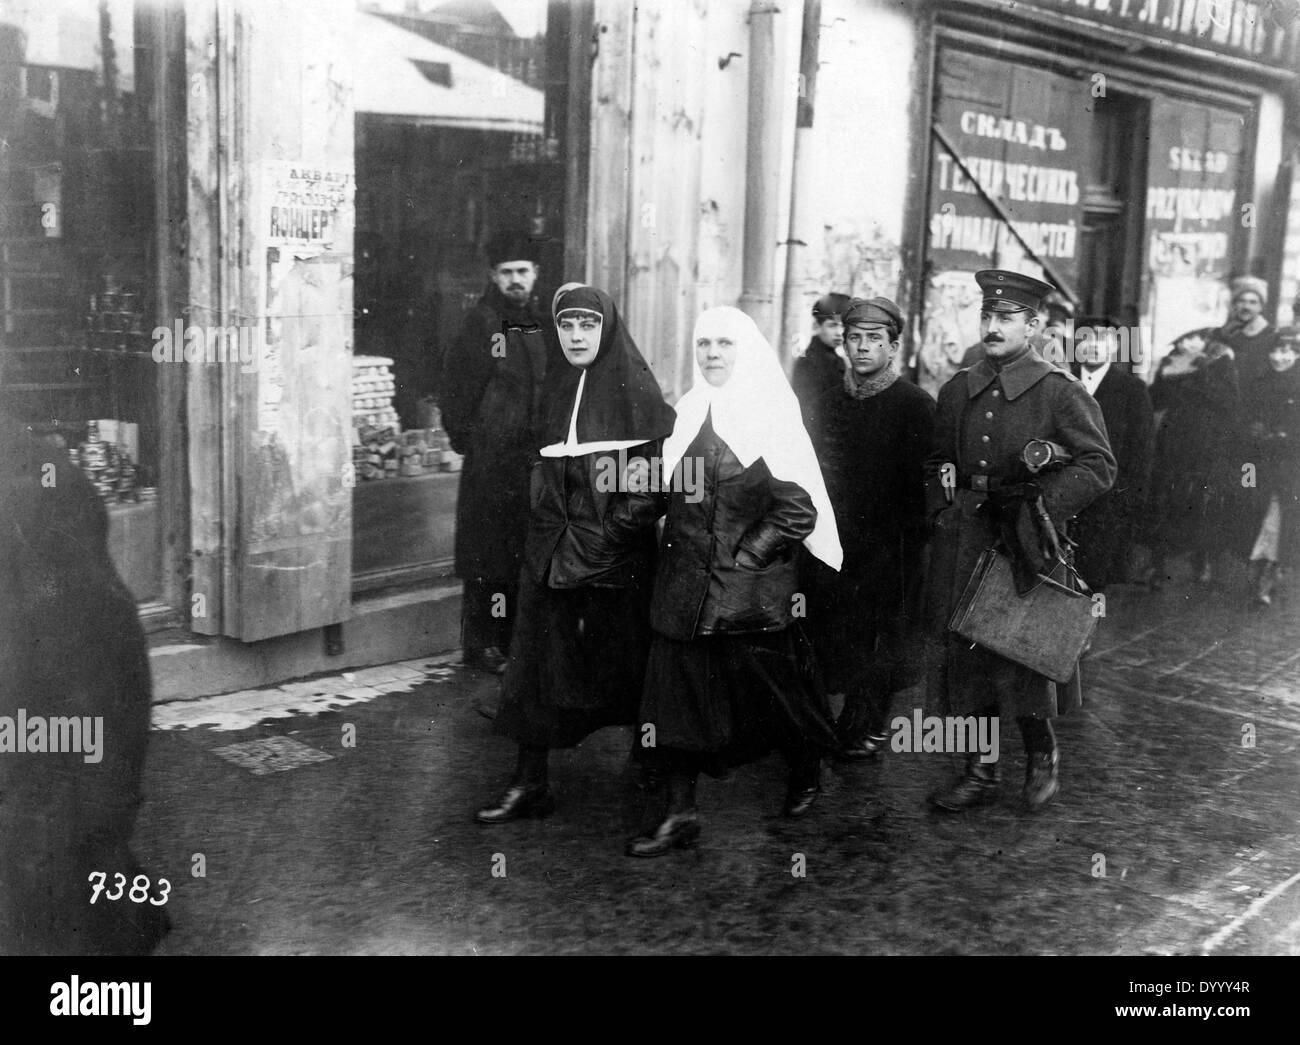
[518, 801]
[679, 831]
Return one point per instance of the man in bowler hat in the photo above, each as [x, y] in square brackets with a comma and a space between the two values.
[976, 484]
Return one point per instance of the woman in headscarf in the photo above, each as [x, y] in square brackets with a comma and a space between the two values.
[577, 656]
[730, 677]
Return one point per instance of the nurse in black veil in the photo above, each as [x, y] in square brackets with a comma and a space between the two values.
[577, 657]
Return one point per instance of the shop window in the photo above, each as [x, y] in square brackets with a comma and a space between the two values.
[461, 114]
[77, 266]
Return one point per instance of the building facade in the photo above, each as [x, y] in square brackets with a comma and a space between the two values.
[236, 236]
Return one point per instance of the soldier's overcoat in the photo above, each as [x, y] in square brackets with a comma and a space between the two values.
[985, 418]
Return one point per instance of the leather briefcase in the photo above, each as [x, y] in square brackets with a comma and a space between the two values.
[1044, 630]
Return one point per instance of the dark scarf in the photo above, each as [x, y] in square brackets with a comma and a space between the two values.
[620, 399]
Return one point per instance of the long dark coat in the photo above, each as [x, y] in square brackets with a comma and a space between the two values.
[984, 420]
[1196, 491]
[491, 402]
[577, 657]
[1274, 442]
[819, 370]
[730, 672]
[699, 587]
[70, 645]
[1106, 528]
[872, 452]
[1251, 352]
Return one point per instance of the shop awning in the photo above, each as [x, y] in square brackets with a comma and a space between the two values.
[403, 76]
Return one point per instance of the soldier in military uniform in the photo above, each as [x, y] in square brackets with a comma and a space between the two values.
[975, 483]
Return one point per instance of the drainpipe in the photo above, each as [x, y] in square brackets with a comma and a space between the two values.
[794, 326]
[763, 174]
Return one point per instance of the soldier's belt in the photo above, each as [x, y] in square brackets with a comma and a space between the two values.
[983, 483]
[990, 484]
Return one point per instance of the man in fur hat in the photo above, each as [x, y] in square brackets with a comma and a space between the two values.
[1248, 333]
[490, 394]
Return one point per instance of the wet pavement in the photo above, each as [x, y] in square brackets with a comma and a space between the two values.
[334, 817]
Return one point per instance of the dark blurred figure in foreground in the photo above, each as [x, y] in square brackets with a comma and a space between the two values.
[872, 434]
[1106, 529]
[1196, 471]
[74, 673]
[1274, 448]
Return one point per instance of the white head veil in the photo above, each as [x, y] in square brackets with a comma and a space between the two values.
[757, 415]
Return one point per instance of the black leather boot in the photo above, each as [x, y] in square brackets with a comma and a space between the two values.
[1041, 785]
[680, 829]
[859, 729]
[978, 786]
[528, 794]
[1041, 759]
[804, 783]
[486, 658]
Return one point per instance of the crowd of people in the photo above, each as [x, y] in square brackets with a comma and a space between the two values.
[711, 573]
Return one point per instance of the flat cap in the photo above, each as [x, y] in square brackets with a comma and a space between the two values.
[1005, 291]
[831, 305]
[874, 310]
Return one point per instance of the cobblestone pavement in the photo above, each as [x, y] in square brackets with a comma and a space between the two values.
[334, 816]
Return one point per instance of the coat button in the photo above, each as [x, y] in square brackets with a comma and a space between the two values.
[984, 464]
[988, 414]
[996, 393]
[984, 439]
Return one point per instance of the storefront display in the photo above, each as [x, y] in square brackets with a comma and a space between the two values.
[77, 262]
[1120, 174]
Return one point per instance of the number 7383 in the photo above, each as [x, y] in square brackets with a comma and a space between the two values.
[139, 885]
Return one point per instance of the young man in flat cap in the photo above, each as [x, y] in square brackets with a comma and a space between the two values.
[976, 485]
[872, 432]
[491, 402]
[821, 366]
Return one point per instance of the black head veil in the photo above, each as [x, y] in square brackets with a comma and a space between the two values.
[621, 399]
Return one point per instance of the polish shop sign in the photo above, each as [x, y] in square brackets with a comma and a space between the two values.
[1260, 30]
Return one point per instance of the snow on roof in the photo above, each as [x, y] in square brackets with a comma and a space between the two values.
[390, 83]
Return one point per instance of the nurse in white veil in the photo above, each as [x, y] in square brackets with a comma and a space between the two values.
[730, 676]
